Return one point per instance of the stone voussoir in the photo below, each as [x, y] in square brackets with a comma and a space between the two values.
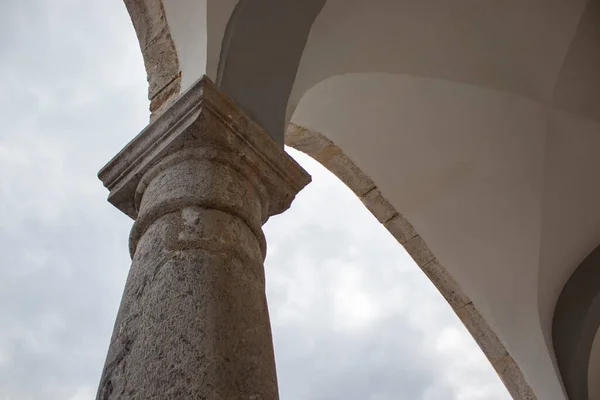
[419, 251]
[513, 379]
[158, 49]
[174, 129]
[303, 140]
[447, 286]
[491, 346]
[163, 99]
[400, 228]
[342, 167]
[378, 205]
[328, 154]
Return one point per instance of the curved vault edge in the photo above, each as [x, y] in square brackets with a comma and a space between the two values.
[575, 325]
[317, 146]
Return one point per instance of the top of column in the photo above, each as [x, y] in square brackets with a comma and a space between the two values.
[203, 117]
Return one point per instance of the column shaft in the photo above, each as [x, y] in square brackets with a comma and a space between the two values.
[193, 322]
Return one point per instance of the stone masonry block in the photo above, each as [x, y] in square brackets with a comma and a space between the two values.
[342, 167]
[482, 333]
[447, 286]
[378, 205]
[419, 251]
[400, 228]
[513, 379]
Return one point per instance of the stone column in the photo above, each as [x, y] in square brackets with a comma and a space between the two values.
[200, 182]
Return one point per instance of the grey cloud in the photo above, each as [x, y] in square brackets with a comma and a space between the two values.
[61, 266]
[352, 318]
[390, 351]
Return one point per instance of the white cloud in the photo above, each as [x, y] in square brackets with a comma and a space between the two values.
[83, 393]
[353, 317]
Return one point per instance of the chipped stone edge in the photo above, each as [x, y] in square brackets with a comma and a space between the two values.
[320, 148]
[159, 53]
[238, 134]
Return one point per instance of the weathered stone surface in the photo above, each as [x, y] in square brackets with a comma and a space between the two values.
[159, 52]
[400, 228]
[378, 205]
[193, 323]
[342, 167]
[313, 143]
[419, 251]
[513, 379]
[306, 141]
[489, 343]
[148, 19]
[203, 108]
[447, 286]
[163, 99]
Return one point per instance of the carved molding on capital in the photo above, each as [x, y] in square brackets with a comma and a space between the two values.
[205, 120]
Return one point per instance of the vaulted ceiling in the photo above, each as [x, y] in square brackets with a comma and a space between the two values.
[479, 121]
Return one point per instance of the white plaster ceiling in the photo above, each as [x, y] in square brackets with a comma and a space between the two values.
[479, 120]
[472, 119]
[515, 45]
[197, 28]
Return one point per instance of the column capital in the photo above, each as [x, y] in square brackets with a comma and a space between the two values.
[203, 118]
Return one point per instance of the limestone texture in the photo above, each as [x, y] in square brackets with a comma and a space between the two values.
[158, 49]
[200, 182]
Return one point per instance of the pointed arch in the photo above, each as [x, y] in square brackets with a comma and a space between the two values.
[323, 150]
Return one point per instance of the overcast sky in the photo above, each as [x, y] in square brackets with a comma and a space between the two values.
[353, 317]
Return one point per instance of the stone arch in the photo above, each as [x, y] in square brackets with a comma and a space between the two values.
[252, 50]
[323, 150]
[158, 51]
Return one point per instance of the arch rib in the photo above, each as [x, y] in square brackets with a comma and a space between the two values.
[320, 148]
